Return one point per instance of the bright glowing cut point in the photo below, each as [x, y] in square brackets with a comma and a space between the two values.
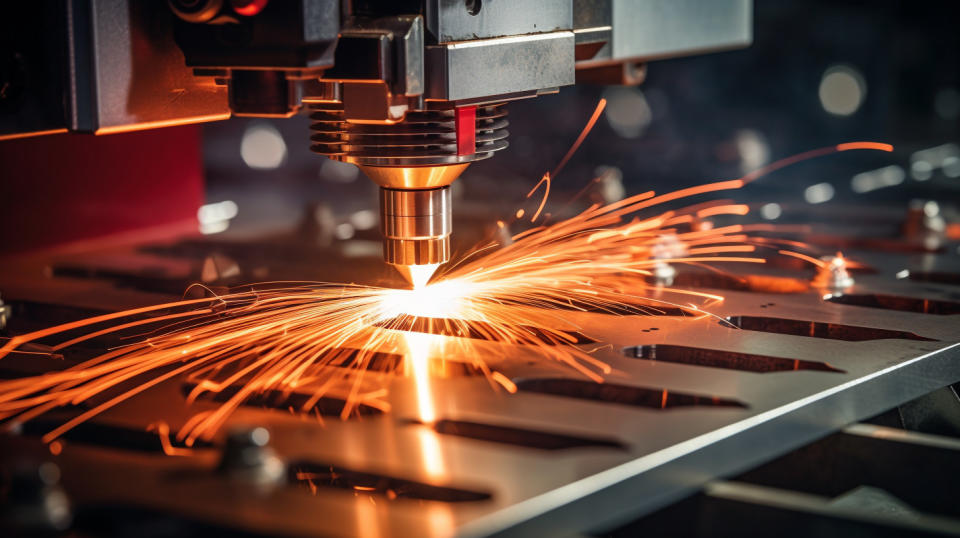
[417, 275]
[444, 299]
[299, 333]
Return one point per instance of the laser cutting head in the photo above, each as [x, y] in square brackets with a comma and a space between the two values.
[415, 214]
[416, 226]
[409, 91]
[414, 161]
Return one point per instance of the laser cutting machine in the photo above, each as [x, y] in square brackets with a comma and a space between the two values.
[412, 92]
[792, 409]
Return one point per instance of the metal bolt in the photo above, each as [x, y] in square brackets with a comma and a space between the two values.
[666, 248]
[35, 503]
[248, 456]
[834, 274]
[5, 312]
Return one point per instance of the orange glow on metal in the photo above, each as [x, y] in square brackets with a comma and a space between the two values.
[113, 129]
[419, 357]
[367, 520]
[430, 453]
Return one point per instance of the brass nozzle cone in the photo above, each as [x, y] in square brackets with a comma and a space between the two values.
[414, 177]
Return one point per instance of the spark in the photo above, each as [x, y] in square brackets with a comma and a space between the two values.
[545, 180]
[583, 135]
[325, 340]
[417, 275]
[809, 259]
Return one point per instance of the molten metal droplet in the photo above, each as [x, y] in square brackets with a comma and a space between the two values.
[417, 275]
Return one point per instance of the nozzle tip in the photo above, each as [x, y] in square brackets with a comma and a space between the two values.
[417, 275]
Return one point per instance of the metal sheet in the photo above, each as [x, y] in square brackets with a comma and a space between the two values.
[649, 456]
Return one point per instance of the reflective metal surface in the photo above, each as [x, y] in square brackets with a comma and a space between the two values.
[423, 139]
[127, 73]
[455, 20]
[557, 456]
[551, 459]
[465, 70]
[414, 177]
[665, 28]
[627, 30]
[416, 225]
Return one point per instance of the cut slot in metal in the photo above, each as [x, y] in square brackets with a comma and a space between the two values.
[522, 334]
[939, 277]
[621, 309]
[107, 436]
[520, 436]
[622, 394]
[373, 361]
[275, 399]
[755, 283]
[730, 360]
[872, 243]
[896, 302]
[391, 362]
[314, 476]
[816, 329]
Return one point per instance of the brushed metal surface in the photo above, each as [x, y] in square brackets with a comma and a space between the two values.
[127, 73]
[656, 29]
[451, 20]
[499, 66]
[644, 457]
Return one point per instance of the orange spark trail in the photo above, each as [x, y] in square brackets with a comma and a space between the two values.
[583, 135]
[804, 257]
[323, 340]
[865, 145]
[731, 209]
[545, 180]
[807, 155]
